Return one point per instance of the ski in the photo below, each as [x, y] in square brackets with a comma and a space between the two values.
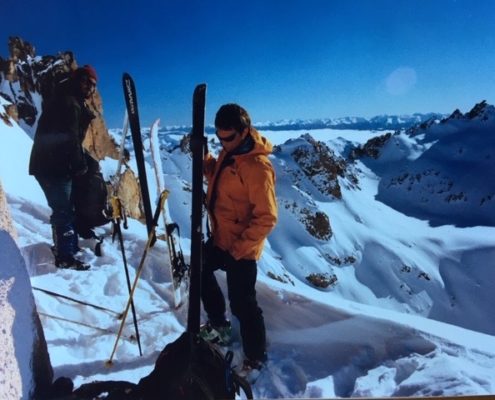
[133, 115]
[198, 146]
[178, 267]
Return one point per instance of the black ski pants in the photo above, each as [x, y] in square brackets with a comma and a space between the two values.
[241, 281]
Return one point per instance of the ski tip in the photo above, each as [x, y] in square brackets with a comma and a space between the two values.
[178, 303]
[200, 88]
[155, 123]
[127, 80]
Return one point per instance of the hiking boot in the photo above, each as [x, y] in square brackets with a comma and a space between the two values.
[69, 262]
[221, 335]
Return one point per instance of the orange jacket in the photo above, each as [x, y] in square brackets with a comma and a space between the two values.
[245, 207]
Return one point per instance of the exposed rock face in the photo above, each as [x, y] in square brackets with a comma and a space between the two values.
[455, 115]
[481, 111]
[371, 148]
[185, 143]
[19, 49]
[317, 224]
[8, 111]
[98, 142]
[5, 218]
[322, 280]
[322, 166]
[129, 194]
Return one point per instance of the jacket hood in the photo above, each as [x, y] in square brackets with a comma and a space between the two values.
[261, 145]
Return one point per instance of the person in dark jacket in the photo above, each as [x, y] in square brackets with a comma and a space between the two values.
[242, 207]
[57, 157]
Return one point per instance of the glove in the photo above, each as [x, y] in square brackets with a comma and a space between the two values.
[213, 255]
[228, 260]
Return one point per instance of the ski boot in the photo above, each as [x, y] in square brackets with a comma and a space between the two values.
[69, 262]
[65, 247]
[221, 335]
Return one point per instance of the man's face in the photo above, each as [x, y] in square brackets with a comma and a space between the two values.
[230, 138]
[87, 85]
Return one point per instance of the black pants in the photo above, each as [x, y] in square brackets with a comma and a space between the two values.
[241, 281]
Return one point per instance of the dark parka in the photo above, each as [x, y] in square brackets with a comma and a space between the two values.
[57, 149]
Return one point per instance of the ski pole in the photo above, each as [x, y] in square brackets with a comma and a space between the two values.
[151, 236]
[117, 216]
[84, 303]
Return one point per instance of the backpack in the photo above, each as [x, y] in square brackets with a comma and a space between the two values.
[191, 368]
[89, 194]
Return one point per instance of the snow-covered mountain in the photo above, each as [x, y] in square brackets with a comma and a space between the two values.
[377, 123]
[362, 296]
[452, 181]
[377, 281]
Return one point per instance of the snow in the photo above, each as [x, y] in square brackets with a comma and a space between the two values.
[18, 333]
[408, 315]
[14, 155]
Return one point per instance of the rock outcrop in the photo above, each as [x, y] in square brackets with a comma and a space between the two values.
[5, 218]
[371, 148]
[323, 167]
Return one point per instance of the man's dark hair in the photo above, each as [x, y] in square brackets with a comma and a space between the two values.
[232, 116]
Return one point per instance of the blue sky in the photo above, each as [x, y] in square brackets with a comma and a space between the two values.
[278, 58]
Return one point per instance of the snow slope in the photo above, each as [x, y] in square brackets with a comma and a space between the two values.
[407, 315]
[450, 182]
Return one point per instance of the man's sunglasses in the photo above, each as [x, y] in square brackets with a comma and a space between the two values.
[229, 138]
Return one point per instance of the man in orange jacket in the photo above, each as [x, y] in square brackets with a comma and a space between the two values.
[243, 210]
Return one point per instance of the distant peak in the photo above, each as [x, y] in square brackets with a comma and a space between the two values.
[456, 115]
[481, 110]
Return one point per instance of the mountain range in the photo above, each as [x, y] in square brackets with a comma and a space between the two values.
[377, 123]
